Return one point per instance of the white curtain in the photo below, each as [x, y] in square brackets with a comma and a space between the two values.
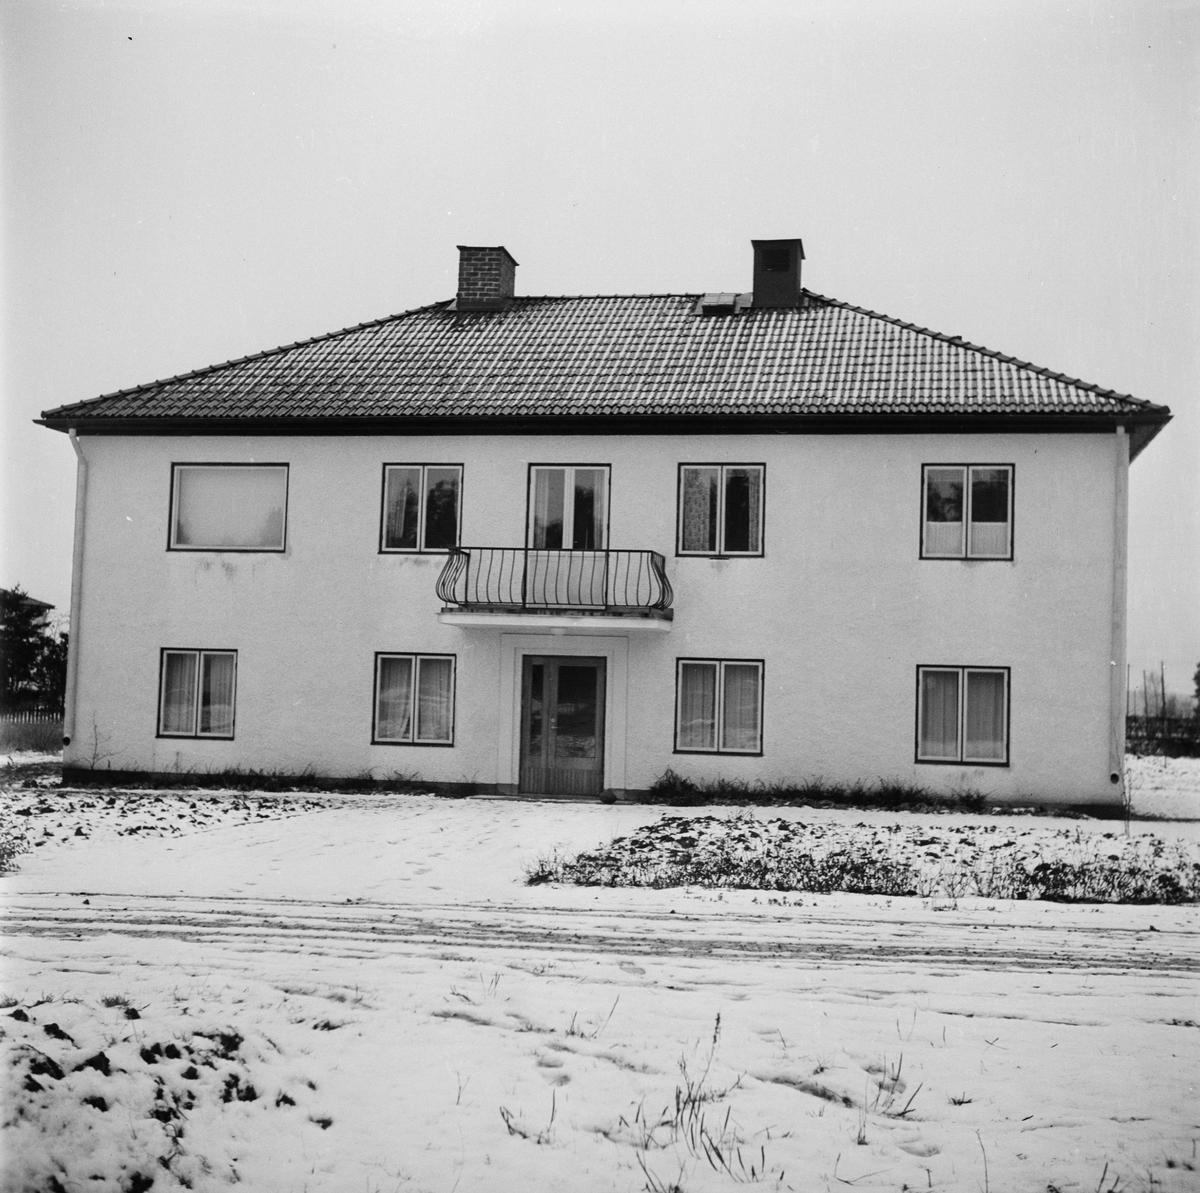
[989, 512]
[589, 509]
[739, 716]
[403, 508]
[434, 700]
[699, 509]
[944, 489]
[393, 700]
[939, 714]
[230, 507]
[985, 716]
[698, 706]
[548, 493]
[179, 693]
[216, 694]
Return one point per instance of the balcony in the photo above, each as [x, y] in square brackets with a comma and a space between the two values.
[495, 585]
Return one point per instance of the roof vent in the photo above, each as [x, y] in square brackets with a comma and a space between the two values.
[777, 272]
[486, 278]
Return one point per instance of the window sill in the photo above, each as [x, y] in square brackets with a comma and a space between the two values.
[721, 753]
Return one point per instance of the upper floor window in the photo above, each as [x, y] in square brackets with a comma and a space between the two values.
[195, 693]
[721, 509]
[967, 511]
[568, 507]
[962, 715]
[228, 507]
[421, 507]
[718, 706]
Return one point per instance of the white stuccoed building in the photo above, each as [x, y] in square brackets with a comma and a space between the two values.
[560, 545]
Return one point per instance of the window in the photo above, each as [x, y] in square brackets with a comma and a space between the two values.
[414, 700]
[962, 715]
[195, 693]
[721, 509]
[228, 507]
[967, 511]
[568, 507]
[718, 706]
[421, 506]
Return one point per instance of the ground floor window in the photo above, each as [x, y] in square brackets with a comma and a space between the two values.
[196, 693]
[962, 715]
[414, 699]
[718, 706]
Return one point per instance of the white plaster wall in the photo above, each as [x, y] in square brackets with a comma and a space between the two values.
[841, 608]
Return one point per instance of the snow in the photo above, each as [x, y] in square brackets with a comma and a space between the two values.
[411, 1016]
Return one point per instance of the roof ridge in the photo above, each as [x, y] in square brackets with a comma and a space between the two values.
[1003, 357]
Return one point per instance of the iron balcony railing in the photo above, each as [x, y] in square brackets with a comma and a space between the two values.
[524, 578]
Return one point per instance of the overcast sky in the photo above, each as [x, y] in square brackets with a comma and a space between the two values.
[187, 181]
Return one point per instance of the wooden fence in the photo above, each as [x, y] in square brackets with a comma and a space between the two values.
[33, 715]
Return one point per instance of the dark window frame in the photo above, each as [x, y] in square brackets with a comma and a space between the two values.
[528, 536]
[415, 656]
[195, 735]
[287, 496]
[965, 556]
[419, 549]
[761, 664]
[721, 553]
[963, 669]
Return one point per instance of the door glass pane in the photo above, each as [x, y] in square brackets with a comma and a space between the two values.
[434, 699]
[179, 692]
[743, 497]
[393, 707]
[698, 512]
[944, 511]
[548, 494]
[739, 717]
[537, 687]
[216, 694]
[989, 511]
[575, 714]
[588, 517]
[985, 716]
[698, 706]
[235, 508]
[441, 508]
[939, 714]
[403, 509]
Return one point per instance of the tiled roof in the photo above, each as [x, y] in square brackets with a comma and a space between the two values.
[615, 356]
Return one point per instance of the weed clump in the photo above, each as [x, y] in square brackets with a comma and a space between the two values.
[743, 852]
[13, 842]
[891, 795]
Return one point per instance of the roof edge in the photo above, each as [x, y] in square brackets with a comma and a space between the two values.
[1143, 425]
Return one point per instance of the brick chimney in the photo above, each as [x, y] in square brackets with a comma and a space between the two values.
[486, 278]
[777, 272]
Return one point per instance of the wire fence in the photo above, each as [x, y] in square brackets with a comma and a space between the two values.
[1171, 737]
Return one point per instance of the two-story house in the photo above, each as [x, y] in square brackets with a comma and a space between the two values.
[560, 545]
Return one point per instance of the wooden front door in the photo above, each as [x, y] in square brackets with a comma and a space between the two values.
[562, 725]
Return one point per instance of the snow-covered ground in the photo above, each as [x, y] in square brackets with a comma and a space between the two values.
[360, 993]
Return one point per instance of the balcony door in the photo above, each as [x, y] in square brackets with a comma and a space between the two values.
[562, 725]
[567, 534]
[568, 507]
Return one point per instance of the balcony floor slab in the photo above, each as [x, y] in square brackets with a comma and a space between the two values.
[553, 621]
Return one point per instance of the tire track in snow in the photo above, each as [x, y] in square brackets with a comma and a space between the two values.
[352, 929]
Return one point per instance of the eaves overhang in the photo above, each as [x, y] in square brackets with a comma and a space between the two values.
[1142, 424]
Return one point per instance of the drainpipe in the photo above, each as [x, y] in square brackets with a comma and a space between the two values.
[1117, 675]
[76, 592]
